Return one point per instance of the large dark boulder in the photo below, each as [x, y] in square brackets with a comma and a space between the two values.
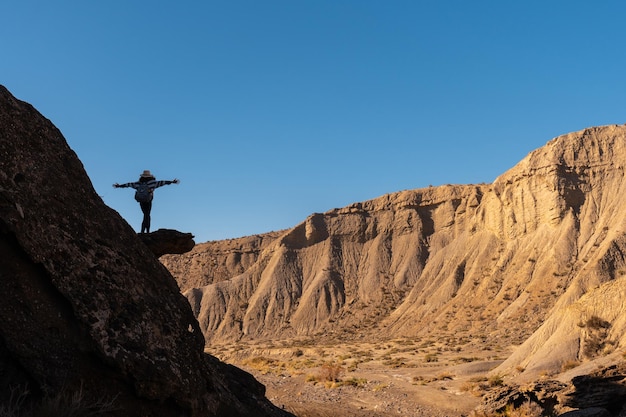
[168, 241]
[85, 306]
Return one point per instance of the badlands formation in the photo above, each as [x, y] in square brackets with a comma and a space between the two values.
[531, 267]
[416, 303]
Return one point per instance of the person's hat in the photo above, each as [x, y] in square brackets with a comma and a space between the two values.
[146, 174]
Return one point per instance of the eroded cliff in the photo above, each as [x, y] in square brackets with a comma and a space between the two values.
[536, 253]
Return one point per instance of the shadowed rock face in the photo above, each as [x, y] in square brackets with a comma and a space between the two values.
[85, 304]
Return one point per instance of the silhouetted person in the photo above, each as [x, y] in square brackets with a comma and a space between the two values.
[144, 190]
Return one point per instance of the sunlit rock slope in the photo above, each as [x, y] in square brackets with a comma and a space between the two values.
[537, 259]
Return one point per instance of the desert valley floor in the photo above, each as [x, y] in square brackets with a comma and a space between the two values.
[401, 377]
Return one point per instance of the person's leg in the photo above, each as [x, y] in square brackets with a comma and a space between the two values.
[145, 224]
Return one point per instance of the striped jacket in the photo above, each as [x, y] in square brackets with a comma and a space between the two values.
[150, 185]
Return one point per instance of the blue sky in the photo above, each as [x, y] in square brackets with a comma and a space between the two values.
[269, 111]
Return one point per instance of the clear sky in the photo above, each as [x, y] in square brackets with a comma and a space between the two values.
[268, 111]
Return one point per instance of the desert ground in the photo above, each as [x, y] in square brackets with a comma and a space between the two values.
[399, 377]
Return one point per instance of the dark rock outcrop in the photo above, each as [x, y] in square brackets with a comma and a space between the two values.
[600, 393]
[86, 307]
[168, 241]
[543, 394]
[602, 389]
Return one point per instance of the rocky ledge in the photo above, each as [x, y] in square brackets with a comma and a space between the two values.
[168, 241]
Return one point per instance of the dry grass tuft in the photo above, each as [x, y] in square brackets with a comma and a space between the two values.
[496, 380]
[62, 404]
[330, 372]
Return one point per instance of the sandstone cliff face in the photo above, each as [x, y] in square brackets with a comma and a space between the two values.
[538, 252]
[212, 262]
[86, 307]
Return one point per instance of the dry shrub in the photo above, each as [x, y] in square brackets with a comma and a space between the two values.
[431, 357]
[496, 380]
[476, 389]
[394, 362]
[330, 372]
[596, 339]
[571, 364]
[261, 364]
[464, 359]
[380, 387]
[528, 409]
[419, 379]
[444, 376]
[595, 322]
[354, 382]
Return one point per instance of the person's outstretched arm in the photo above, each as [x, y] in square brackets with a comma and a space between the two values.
[128, 184]
[160, 183]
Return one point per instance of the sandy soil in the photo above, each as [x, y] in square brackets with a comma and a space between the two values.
[403, 377]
